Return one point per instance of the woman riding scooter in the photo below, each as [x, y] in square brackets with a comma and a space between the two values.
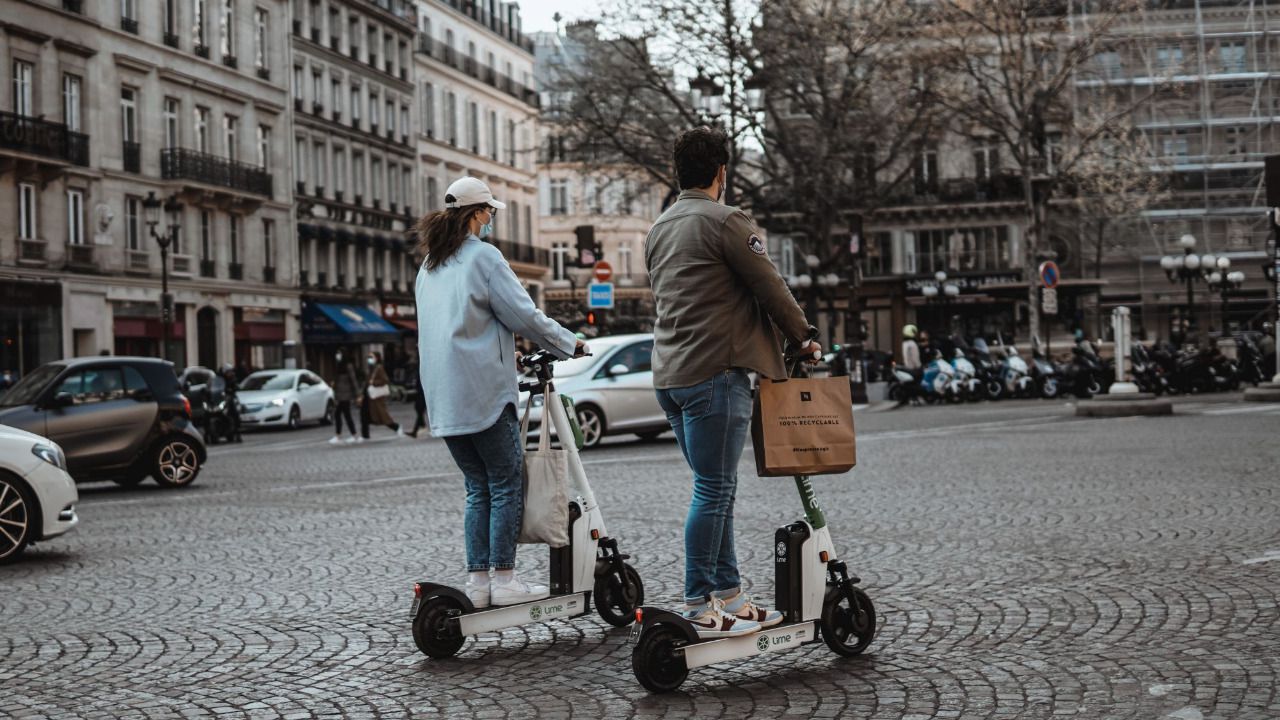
[470, 305]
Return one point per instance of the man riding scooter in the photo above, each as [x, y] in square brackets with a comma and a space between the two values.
[719, 299]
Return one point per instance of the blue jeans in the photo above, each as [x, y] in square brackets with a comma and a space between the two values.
[492, 463]
[710, 420]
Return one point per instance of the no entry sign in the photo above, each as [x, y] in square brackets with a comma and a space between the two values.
[603, 271]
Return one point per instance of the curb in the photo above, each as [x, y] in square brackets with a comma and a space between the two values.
[1266, 392]
[1127, 405]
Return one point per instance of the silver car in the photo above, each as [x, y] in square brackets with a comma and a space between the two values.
[612, 390]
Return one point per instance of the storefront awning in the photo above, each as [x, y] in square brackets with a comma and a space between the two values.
[325, 323]
[410, 325]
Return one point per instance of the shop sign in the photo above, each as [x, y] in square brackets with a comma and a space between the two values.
[970, 282]
[399, 311]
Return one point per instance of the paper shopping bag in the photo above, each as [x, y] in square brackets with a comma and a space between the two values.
[546, 478]
[803, 426]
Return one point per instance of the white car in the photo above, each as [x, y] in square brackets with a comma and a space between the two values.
[612, 390]
[37, 496]
[284, 398]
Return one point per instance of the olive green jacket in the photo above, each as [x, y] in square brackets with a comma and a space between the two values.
[718, 295]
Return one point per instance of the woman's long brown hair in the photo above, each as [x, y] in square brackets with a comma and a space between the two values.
[442, 232]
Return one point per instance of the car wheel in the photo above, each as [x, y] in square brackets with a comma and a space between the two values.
[591, 420]
[17, 518]
[328, 414]
[176, 462]
[295, 417]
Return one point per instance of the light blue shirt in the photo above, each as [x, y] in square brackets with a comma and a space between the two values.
[468, 310]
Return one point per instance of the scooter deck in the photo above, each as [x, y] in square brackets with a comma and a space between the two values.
[499, 618]
[778, 638]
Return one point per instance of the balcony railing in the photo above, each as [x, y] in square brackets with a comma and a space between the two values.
[81, 256]
[180, 264]
[202, 50]
[264, 73]
[208, 268]
[31, 251]
[75, 6]
[235, 271]
[525, 253]
[41, 137]
[129, 25]
[171, 39]
[132, 157]
[139, 261]
[449, 56]
[269, 275]
[230, 61]
[180, 163]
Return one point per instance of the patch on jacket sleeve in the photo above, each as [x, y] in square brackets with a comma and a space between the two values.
[756, 245]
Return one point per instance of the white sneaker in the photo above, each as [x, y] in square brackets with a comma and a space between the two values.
[478, 595]
[714, 622]
[400, 432]
[359, 440]
[335, 440]
[350, 440]
[745, 609]
[516, 591]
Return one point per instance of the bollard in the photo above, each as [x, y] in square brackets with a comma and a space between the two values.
[1120, 320]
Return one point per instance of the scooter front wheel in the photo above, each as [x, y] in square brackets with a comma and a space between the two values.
[655, 662]
[615, 601]
[434, 635]
[848, 621]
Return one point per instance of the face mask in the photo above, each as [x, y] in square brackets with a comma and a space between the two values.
[338, 357]
[486, 230]
[371, 361]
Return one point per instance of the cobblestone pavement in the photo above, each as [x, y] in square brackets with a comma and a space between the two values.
[1025, 563]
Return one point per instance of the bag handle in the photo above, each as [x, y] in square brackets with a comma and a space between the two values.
[524, 422]
[544, 437]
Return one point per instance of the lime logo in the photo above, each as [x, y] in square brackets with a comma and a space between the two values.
[535, 612]
[782, 550]
[762, 644]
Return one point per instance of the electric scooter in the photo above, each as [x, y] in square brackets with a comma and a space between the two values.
[814, 591]
[588, 569]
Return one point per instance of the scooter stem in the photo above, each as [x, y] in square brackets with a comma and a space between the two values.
[812, 512]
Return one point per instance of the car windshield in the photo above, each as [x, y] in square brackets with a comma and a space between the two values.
[28, 388]
[267, 381]
[577, 366]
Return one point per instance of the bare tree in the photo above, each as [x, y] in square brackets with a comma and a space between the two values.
[1017, 65]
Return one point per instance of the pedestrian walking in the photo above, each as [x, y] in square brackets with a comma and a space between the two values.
[470, 304]
[373, 403]
[419, 410]
[911, 351]
[720, 304]
[345, 388]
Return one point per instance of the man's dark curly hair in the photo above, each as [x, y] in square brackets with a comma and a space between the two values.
[699, 154]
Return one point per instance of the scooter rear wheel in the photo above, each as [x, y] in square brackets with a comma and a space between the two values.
[848, 621]
[655, 662]
[434, 635]
[615, 605]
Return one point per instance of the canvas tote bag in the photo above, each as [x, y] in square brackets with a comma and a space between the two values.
[546, 474]
[803, 426]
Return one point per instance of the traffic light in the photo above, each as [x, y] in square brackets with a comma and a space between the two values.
[588, 251]
[591, 318]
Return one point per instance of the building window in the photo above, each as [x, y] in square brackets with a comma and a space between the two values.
[206, 236]
[926, 172]
[129, 114]
[1169, 59]
[406, 186]
[132, 226]
[320, 166]
[473, 127]
[404, 120]
[624, 257]
[202, 129]
[429, 109]
[297, 82]
[172, 137]
[515, 221]
[227, 28]
[22, 83]
[300, 160]
[171, 18]
[528, 225]
[71, 101]
[986, 162]
[1109, 64]
[559, 196]
[339, 169]
[233, 237]
[268, 242]
[877, 254]
[317, 87]
[355, 103]
[451, 117]
[391, 116]
[353, 35]
[433, 190]
[559, 260]
[75, 217]
[197, 23]
[373, 110]
[357, 175]
[335, 93]
[511, 143]
[375, 173]
[230, 135]
[1232, 56]
[262, 35]
[493, 135]
[27, 211]
[264, 147]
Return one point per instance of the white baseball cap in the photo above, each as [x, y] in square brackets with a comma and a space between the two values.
[470, 191]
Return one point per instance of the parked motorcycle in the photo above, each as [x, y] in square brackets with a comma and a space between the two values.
[1047, 379]
[1148, 375]
[1082, 377]
[989, 370]
[966, 376]
[903, 386]
[939, 382]
[1015, 375]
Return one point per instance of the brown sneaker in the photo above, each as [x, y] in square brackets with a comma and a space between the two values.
[714, 622]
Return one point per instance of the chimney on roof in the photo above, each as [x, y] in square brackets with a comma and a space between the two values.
[581, 30]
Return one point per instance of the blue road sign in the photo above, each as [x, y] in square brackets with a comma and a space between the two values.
[600, 295]
[1049, 274]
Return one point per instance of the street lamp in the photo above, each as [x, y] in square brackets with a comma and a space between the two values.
[172, 214]
[707, 95]
[1224, 283]
[1189, 268]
